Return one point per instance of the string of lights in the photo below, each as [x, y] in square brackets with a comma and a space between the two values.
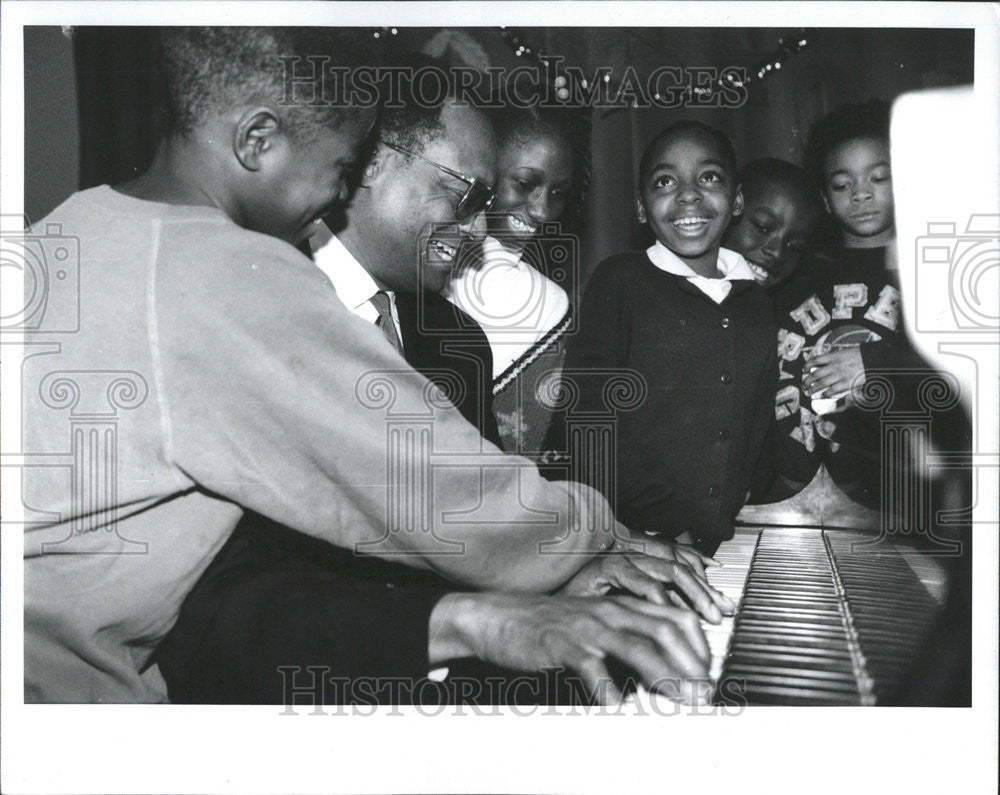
[789, 46]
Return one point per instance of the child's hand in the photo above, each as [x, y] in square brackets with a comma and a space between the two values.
[833, 373]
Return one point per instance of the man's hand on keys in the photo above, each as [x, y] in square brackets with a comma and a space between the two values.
[646, 577]
[663, 645]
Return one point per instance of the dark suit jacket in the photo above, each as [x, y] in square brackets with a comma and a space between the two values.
[439, 339]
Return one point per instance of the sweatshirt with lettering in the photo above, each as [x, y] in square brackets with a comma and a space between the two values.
[839, 298]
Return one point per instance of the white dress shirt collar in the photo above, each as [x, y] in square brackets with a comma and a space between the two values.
[731, 264]
[354, 285]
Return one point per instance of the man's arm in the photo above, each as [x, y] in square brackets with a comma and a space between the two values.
[280, 400]
[345, 640]
[262, 624]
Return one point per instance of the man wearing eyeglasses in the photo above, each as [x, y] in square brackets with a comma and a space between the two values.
[275, 598]
[412, 212]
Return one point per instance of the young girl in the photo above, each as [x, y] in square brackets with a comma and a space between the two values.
[514, 286]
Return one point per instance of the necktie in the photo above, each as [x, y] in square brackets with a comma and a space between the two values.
[381, 303]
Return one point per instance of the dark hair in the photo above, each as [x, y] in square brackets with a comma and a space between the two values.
[207, 70]
[569, 125]
[524, 124]
[845, 123]
[755, 175]
[412, 118]
[680, 128]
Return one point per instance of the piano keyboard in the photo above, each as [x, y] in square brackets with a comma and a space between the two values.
[735, 556]
[820, 619]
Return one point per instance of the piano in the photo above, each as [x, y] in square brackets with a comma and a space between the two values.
[838, 616]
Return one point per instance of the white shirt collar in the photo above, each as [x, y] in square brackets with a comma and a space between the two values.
[731, 264]
[354, 285]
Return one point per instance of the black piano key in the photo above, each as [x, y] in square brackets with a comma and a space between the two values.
[804, 618]
[807, 663]
[798, 696]
[777, 640]
[813, 651]
[778, 674]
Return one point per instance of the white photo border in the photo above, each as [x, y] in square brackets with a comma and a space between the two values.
[104, 748]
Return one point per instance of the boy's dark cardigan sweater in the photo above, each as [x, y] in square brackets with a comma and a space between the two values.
[685, 455]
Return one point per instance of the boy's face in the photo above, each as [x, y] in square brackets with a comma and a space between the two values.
[304, 180]
[857, 191]
[688, 197]
[775, 225]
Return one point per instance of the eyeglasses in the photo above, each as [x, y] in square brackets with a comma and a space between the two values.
[478, 198]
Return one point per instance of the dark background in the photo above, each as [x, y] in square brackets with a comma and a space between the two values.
[89, 99]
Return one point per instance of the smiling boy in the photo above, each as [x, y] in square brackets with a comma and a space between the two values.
[779, 215]
[688, 317]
